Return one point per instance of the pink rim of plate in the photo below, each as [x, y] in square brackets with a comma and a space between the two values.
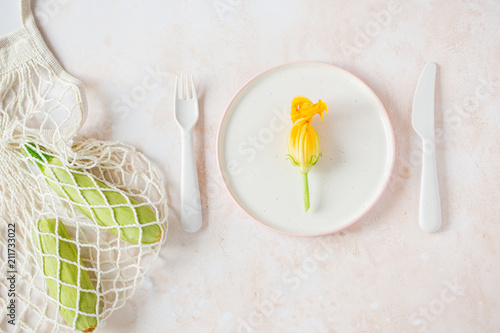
[364, 211]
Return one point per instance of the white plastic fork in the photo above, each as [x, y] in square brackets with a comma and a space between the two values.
[186, 116]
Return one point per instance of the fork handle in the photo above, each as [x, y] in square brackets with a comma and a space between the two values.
[190, 191]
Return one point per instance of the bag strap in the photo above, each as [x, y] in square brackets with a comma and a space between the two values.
[26, 11]
[30, 26]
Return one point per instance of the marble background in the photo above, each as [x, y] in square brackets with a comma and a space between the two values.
[382, 274]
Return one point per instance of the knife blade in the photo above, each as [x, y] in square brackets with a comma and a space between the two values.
[423, 102]
[423, 123]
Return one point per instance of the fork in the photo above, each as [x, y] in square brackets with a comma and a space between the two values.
[186, 116]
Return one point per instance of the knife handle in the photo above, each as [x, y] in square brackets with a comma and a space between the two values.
[430, 206]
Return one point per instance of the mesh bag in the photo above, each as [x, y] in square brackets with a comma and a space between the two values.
[81, 220]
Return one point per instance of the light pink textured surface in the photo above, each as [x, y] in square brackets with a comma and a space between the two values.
[382, 274]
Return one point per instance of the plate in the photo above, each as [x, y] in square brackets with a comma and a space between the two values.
[356, 141]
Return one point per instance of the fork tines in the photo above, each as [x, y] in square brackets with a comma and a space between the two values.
[184, 87]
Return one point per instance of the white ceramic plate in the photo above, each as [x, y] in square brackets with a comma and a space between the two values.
[356, 140]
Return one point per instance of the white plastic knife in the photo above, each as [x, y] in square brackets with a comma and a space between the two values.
[429, 217]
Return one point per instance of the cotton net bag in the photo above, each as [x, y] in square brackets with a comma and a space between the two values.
[81, 220]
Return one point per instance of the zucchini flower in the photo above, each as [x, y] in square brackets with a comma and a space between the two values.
[303, 140]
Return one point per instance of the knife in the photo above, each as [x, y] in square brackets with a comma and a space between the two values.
[429, 216]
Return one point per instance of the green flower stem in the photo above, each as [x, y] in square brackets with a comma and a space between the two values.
[306, 191]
